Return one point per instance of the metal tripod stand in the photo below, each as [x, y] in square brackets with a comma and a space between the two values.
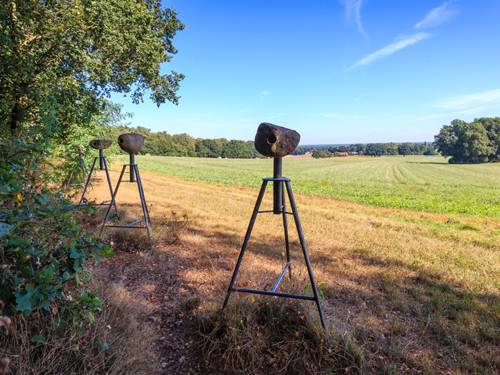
[134, 177]
[103, 165]
[279, 208]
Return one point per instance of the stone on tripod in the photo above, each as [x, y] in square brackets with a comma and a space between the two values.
[100, 144]
[80, 149]
[131, 142]
[275, 141]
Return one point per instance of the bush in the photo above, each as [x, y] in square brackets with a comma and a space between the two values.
[43, 250]
[116, 343]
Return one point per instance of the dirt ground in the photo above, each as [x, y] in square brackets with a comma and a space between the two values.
[417, 292]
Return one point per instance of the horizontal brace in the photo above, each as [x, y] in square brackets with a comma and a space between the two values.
[280, 278]
[282, 179]
[133, 222]
[272, 211]
[95, 204]
[125, 226]
[274, 294]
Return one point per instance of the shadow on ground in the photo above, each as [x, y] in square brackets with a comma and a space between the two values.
[403, 319]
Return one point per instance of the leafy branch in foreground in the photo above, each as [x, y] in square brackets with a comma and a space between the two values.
[73, 54]
[43, 250]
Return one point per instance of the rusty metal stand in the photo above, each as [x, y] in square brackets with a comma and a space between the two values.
[279, 208]
[103, 165]
[134, 177]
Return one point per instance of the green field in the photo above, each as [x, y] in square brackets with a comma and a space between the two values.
[426, 183]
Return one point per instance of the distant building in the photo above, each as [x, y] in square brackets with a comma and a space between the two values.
[341, 154]
[308, 154]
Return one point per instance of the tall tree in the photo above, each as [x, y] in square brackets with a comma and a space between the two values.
[473, 142]
[59, 59]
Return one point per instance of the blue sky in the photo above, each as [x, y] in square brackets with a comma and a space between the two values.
[338, 71]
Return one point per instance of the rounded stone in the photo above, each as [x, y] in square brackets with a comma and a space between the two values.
[275, 141]
[100, 144]
[131, 142]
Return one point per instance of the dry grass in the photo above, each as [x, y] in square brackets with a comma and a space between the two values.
[118, 343]
[273, 337]
[418, 292]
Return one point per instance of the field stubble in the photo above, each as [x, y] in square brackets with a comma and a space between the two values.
[418, 291]
[422, 183]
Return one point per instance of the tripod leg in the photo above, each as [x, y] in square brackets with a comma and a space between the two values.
[106, 216]
[83, 165]
[89, 176]
[285, 227]
[144, 205]
[245, 242]
[141, 191]
[67, 183]
[304, 250]
[109, 183]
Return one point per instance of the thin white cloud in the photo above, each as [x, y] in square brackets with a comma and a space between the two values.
[390, 49]
[265, 93]
[436, 16]
[353, 14]
[490, 97]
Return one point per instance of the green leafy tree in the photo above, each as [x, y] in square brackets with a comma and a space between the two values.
[210, 148]
[62, 57]
[237, 149]
[492, 126]
[473, 142]
[405, 149]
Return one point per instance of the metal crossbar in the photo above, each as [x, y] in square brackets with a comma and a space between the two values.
[273, 294]
[134, 177]
[278, 209]
[280, 278]
[104, 165]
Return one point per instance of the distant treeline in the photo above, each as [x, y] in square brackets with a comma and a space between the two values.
[474, 142]
[165, 144]
[371, 149]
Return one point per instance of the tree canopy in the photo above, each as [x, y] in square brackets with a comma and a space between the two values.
[474, 142]
[59, 59]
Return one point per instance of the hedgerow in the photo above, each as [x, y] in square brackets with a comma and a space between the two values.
[44, 251]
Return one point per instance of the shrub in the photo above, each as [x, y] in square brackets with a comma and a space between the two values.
[43, 250]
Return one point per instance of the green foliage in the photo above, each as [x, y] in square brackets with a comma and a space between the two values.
[423, 183]
[210, 148]
[474, 142]
[165, 144]
[321, 154]
[371, 149]
[44, 252]
[237, 150]
[66, 56]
